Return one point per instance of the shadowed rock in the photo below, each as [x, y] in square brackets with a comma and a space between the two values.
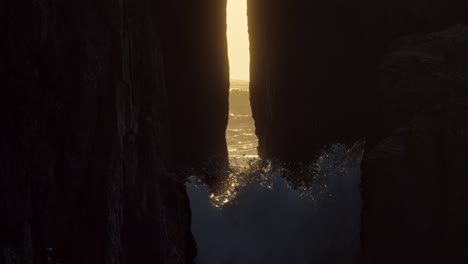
[415, 180]
[197, 76]
[96, 96]
[314, 67]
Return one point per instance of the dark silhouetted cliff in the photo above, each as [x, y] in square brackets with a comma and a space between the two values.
[324, 72]
[103, 101]
[416, 179]
[95, 99]
[197, 76]
[314, 67]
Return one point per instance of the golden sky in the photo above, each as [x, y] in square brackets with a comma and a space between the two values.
[238, 39]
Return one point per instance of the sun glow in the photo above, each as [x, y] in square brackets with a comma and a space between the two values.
[238, 39]
[240, 133]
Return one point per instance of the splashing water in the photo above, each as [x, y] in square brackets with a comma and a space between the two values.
[257, 216]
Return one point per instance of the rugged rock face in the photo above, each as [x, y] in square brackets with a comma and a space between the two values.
[416, 179]
[197, 77]
[330, 71]
[314, 63]
[87, 109]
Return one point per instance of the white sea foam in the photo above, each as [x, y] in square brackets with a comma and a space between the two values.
[263, 220]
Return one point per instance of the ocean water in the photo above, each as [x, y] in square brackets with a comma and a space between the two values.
[264, 213]
[263, 219]
[240, 133]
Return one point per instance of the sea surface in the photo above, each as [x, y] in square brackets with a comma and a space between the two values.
[240, 134]
[257, 214]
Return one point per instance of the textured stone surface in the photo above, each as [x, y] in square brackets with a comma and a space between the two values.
[330, 71]
[94, 103]
[416, 179]
[197, 77]
[314, 67]
[86, 140]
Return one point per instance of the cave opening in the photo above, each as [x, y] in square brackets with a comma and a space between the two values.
[240, 134]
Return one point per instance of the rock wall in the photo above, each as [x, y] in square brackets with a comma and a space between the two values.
[313, 67]
[95, 97]
[331, 71]
[416, 179]
[197, 77]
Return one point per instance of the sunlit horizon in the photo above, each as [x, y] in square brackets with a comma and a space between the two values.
[240, 133]
[238, 40]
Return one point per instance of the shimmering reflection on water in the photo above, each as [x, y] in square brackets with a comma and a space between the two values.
[240, 134]
[265, 213]
[242, 145]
